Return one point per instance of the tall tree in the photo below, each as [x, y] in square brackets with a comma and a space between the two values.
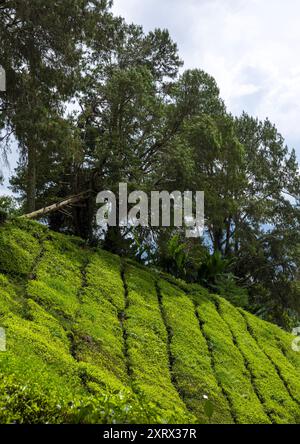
[41, 45]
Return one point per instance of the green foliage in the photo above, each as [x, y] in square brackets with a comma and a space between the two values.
[214, 273]
[144, 123]
[227, 287]
[191, 368]
[58, 277]
[19, 250]
[146, 342]
[271, 389]
[37, 346]
[98, 336]
[229, 365]
[209, 409]
[3, 216]
[8, 206]
[213, 268]
[175, 258]
[119, 408]
[268, 340]
[24, 404]
[91, 342]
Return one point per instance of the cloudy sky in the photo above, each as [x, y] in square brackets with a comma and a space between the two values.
[251, 47]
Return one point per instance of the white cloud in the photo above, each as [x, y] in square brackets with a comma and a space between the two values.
[249, 46]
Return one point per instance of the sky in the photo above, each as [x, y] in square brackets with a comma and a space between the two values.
[251, 48]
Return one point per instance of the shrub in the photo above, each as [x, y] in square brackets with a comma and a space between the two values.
[19, 250]
[98, 333]
[229, 365]
[147, 344]
[269, 386]
[191, 358]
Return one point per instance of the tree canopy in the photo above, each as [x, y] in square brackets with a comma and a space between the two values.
[93, 101]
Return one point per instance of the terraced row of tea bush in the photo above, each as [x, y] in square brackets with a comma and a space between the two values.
[93, 338]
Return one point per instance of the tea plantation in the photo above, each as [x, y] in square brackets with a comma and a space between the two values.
[92, 338]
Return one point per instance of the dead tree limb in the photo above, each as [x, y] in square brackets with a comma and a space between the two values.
[72, 200]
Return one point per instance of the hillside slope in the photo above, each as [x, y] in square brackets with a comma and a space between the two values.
[93, 339]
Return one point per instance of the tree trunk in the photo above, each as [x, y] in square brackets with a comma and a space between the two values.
[228, 234]
[31, 179]
[217, 236]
